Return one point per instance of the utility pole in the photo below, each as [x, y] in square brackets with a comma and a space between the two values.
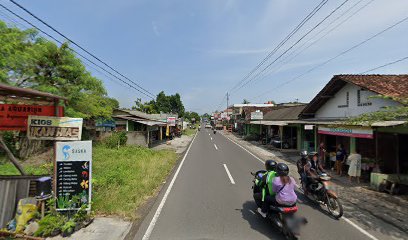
[227, 111]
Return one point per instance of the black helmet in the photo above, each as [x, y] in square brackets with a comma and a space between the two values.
[303, 154]
[270, 165]
[282, 169]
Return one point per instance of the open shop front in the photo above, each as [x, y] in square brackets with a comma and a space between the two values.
[352, 139]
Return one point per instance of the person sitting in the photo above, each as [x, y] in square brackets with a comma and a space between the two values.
[284, 186]
[301, 165]
[266, 185]
[312, 169]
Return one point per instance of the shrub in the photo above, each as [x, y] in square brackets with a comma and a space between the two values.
[115, 140]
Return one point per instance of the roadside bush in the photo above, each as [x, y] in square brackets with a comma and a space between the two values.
[117, 139]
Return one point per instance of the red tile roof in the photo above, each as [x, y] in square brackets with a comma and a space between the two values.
[388, 85]
[395, 86]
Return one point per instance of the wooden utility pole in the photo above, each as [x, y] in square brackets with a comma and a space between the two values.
[11, 156]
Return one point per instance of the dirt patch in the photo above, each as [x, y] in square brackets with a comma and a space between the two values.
[40, 158]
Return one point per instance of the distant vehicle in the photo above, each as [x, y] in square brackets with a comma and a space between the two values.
[278, 143]
[207, 125]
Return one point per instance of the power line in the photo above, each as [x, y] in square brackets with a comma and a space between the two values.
[289, 58]
[48, 35]
[296, 29]
[338, 55]
[293, 45]
[385, 65]
[10, 18]
[83, 49]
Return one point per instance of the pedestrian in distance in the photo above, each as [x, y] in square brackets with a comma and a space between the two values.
[341, 156]
[355, 165]
[322, 154]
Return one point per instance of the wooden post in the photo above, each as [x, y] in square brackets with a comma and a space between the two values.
[11, 156]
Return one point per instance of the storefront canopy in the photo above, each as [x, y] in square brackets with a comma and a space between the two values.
[270, 123]
[151, 123]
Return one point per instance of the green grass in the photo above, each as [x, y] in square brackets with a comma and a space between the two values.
[189, 132]
[124, 179]
[9, 169]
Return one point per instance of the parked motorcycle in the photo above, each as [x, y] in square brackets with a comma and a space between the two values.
[321, 191]
[283, 218]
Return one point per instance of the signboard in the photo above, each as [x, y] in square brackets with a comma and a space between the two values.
[14, 116]
[106, 123]
[171, 121]
[54, 128]
[258, 115]
[73, 174]
[309, 127]
[348, 132]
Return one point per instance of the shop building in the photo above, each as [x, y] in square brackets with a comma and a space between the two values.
[348, 96]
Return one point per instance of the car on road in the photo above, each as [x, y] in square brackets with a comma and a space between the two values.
[207, 125]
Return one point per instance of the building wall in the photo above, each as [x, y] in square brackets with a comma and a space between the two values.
[137, 138]
[341, 106]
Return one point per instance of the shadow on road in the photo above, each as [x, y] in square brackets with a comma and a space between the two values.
[257, 223]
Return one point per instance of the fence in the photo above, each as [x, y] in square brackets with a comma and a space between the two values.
[12, 189]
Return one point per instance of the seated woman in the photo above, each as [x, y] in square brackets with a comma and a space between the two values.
[284, 186]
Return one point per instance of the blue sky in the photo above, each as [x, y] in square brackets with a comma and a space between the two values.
[201, 49]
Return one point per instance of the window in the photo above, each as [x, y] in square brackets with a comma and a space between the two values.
[347, 101]
[362, 98]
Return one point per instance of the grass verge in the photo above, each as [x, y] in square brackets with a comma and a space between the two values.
[8, 169]
[124, 179]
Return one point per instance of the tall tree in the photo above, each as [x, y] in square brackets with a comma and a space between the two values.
[245, 101]
[27, 60]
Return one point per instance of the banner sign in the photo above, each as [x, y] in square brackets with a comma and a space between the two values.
[257, 115]
[73, 174]
[347, 132]
[14, 116]
[171, 121]
[54, 128]
[309, 127]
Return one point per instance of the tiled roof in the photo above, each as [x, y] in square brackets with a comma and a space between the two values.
[388, 85]
[286, 113]
[395, 86]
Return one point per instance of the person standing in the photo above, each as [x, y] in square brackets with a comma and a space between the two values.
[341, 157]
[355, 166]
[322, 154]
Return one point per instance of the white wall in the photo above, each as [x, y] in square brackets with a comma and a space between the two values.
[336, 107]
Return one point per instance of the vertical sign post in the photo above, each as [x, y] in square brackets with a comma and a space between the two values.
[73, 174]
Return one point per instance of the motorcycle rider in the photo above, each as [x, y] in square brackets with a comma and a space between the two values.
[312, 169]
[266, 185]
[301, 165]
[284, 186]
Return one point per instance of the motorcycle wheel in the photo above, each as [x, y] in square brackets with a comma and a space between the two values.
[288, 234]
[335, 207]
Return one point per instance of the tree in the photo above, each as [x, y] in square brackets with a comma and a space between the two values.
[163, 103]
[191, 115]
[27, 60]
[245, 101]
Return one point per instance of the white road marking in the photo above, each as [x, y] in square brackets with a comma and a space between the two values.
[211, 138]
[359, 228]
[253, 155]
[209, 134]
[215, 146]
[229, 174]
[149, 230]
[345, 219]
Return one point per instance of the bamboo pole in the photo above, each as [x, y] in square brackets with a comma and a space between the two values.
[11, 156]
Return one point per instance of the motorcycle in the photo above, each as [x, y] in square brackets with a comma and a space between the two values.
[282, 217]
[321, 190]
[215, 131]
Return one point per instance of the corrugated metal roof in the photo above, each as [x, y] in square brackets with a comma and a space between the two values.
[15, 92]
[286, 113]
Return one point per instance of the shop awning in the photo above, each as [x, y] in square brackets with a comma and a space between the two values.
[388, 123]
[151, 123]
[270, 123]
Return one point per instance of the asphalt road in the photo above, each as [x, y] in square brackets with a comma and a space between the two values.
[209, 197]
